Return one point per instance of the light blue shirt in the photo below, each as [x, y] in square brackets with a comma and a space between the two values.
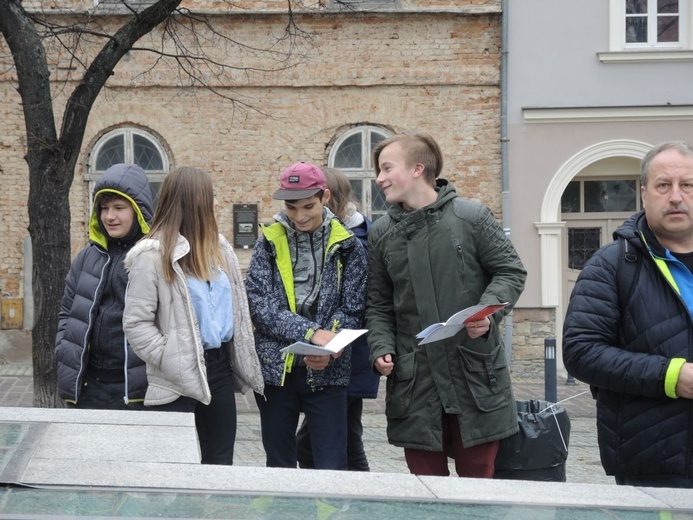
[213, 304]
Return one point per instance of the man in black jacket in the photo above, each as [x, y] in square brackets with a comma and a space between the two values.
[628, 331]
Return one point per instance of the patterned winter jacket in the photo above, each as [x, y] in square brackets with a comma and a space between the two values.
[270, 287]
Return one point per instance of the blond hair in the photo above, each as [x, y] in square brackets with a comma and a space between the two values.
[186, 206]
[419, 148]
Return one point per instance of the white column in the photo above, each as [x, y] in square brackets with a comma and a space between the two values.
[551, 285]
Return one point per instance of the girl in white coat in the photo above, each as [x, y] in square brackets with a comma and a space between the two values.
[186, 314]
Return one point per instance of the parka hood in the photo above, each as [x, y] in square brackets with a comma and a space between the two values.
[446, 193]
[130, 182]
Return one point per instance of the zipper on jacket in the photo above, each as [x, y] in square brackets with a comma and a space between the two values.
[127, 361]
[195, 328]
[85, 340]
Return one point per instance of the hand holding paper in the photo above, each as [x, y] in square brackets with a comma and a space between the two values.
[458, 321]
[341, 340]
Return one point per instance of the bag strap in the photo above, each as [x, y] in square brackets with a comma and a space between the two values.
[627, 271]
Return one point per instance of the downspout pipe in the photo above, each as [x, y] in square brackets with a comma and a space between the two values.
[505, 183]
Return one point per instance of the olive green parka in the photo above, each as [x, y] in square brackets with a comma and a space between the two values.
[424, 266]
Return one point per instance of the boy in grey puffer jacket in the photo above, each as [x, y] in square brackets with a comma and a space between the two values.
[95, 366]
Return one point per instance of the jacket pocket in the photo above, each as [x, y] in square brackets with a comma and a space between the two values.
[400, 386]
[487, 378]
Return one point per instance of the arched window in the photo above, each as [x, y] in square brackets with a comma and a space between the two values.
[128, 145]
[352, 154]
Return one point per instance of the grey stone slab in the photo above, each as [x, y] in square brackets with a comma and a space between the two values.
[679, 498]
[482, 491]
[64, 415]
[119, 442]
[236, 479]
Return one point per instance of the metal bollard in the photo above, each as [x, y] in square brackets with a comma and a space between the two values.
[550, 391]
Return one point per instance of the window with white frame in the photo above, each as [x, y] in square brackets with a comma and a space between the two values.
[649, 30]
[128, 145]
[352, 153]
[653, 23]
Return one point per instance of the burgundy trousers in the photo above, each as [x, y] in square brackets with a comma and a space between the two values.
[474, 462]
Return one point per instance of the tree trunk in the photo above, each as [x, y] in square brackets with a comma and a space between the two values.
[52, 158]
[52, 162]
[49, 227]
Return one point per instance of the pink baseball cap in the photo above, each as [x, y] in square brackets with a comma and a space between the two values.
[300, 181]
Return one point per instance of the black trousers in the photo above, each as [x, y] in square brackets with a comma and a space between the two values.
[215, 422]
[101, 395]
[356, 453]
[325, 409]
[669, 482]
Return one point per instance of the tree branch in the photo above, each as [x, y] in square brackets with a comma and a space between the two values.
[101, 68]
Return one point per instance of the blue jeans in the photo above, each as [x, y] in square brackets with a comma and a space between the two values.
[216, 422]
[325, 412]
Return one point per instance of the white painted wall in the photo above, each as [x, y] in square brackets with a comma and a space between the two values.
[553, 62]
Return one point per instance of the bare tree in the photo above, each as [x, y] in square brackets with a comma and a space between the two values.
[52, 155]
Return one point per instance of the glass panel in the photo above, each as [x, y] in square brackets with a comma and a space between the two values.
[155, 187]
[112, 152]
[570, 201]
[18, 502]
[603, 196]
[357, 189]
[349, 154]
[582, 244]
[378, 202]
[667, 6]
[375, 139]
[636, 6]
[595, 196]
[636, 29]
[146, 154]
[668, 29]
[11, 436]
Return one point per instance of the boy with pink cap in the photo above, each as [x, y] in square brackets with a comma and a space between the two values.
[306, 281]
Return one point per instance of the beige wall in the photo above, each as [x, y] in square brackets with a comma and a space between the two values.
[537, 152]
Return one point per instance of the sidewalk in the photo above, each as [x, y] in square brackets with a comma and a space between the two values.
[583, 466]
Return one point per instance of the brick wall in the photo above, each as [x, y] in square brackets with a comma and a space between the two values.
[435, 72]
[530, 328]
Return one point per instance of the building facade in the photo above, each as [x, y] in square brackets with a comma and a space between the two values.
[592, 86]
